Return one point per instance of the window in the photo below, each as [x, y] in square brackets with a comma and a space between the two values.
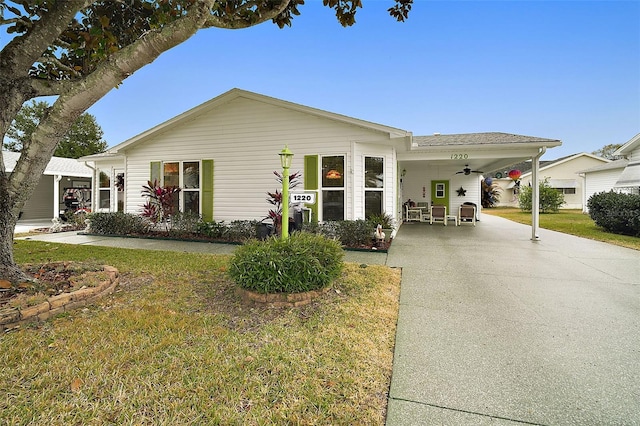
[191, 187]
[440, 190]
[333, 188]
[567, 191]
[104, 190]
[374, 185]
[185, 175]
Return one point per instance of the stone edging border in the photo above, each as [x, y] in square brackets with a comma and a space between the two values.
[11, 317]
[279, 300]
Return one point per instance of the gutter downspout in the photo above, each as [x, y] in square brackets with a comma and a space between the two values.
[56, 195]
[535, 195]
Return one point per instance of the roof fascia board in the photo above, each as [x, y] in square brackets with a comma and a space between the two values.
[450, 153]
[631, 145]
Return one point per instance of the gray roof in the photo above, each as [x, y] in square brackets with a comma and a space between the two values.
[630, 176]
[488, 138]
[56, 166]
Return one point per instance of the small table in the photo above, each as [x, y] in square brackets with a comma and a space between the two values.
[414, 214]
[452, 217]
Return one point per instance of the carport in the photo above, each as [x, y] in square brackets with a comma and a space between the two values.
[459, 160]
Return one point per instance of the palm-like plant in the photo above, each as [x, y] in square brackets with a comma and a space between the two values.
[161, 201]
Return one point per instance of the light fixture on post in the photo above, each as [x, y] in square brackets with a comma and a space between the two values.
[286, 156]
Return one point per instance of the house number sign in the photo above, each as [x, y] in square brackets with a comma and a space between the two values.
[459, 156]
[302, 197]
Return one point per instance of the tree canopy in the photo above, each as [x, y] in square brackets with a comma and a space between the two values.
[607, 151]
[83, 138]
[78, 50]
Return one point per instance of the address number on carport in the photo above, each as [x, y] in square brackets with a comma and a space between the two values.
[302, 198]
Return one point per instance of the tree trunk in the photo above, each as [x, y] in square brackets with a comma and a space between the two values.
[8, 269]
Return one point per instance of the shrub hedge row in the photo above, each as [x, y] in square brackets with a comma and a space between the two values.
[351, 233]
[615, 212]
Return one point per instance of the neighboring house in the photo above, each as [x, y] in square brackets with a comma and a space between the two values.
[47, 199]
[223, 154]
[562, 174]
[620, 175]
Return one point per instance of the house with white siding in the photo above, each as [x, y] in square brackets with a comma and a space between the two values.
[621, 175]
[562, 174]
[47, 200]
[223, 154]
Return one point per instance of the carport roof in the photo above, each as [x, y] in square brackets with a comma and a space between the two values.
[487, 138]
[56, 166]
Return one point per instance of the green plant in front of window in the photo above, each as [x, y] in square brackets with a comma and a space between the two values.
[185, 223]
[386, 220]
[303, 262]
[550, 198]
[161, 201]
[355, 233]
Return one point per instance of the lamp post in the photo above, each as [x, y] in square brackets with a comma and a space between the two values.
[286, 157]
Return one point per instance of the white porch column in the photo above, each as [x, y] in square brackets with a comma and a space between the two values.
[56, 195]
[535, 195]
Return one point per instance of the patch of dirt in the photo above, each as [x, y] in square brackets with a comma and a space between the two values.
[50, 279]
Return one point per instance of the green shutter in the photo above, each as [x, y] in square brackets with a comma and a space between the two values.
[311, 181]
[207, 190]
[156, 166]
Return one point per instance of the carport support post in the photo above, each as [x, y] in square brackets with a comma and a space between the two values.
[56, 195]
[535, 195]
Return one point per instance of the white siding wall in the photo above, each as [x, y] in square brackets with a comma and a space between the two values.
[417, 184]
[601, 181]
[244, 138]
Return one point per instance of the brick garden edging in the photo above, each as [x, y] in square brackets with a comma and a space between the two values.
[279, 300]
[11, 317]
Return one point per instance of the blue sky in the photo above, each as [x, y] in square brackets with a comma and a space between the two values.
[566, 70]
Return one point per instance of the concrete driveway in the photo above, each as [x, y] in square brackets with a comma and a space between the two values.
[496, 329]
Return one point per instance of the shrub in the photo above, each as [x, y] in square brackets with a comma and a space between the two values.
[355, 232]
[241, 230]
[303, 262]
[615, 212]
[550, 198]
[212, 229]
[185, 223]
[118, 223]
[384, 219]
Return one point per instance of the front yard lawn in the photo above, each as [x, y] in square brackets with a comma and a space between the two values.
[174, 345]
[568, 221]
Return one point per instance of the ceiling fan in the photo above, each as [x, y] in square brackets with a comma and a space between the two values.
[468, 171]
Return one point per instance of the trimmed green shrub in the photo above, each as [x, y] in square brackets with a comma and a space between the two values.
[615, 212]
[212, 229]
[185, 223]
[351, 233]
[303, 262]
[118, 223]
[550, 198]
[355, 233]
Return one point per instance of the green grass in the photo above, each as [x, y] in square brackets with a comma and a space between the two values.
[572, 222]
[174, 345]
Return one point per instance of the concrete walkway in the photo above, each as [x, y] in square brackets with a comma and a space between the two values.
[495, 329]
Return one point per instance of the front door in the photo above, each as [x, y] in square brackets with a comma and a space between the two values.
[440, 193]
